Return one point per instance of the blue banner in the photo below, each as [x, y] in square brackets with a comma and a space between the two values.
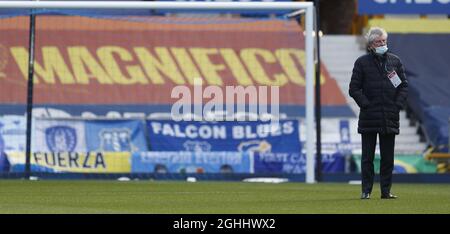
[115, 135]
[190, 162]
[404, 7]
[73, 135]
[294, 163]
[242, 136]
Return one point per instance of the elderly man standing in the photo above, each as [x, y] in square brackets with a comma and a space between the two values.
[379, 87]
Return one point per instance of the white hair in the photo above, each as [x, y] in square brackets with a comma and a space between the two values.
[375, 32]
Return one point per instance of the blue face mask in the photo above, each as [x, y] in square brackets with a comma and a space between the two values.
[381, 49]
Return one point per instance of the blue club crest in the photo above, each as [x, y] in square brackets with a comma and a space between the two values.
[116, 140]
[61, 139]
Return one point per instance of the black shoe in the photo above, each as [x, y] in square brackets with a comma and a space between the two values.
[365, 196]
[388, 196]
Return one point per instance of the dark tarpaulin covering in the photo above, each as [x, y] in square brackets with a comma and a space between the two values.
[426, 58]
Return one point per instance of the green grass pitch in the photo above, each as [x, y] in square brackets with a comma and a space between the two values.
[169, 197]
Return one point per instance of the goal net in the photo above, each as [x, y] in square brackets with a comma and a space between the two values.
[157, 87]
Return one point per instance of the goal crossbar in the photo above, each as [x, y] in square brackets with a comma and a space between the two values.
[157, 5]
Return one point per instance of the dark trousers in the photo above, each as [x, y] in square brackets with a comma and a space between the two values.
[387, 142]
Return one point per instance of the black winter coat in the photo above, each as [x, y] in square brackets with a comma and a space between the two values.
[379, 101]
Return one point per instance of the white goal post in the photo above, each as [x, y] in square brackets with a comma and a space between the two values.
[294, 6]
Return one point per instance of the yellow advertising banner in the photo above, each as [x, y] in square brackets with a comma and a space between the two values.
[90, 162]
